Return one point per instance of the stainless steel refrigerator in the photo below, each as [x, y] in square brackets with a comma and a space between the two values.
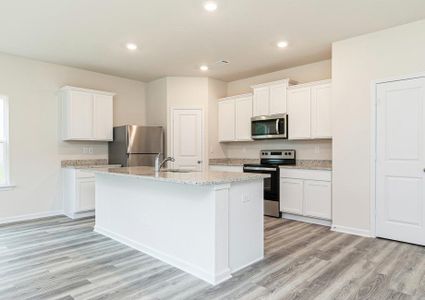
[136, 145]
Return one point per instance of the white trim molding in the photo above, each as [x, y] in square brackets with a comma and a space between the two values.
[30, 217]
[352, 230]
[306, 219]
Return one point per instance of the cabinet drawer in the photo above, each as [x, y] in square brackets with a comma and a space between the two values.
[323, 175]
[84, 174]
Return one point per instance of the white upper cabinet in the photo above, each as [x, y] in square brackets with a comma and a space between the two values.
[278, 99]
[234, 118]
[243, 114]
[87, 115]
[226, 120]
[309, 111]
[270, 98]
[321, 111]
[261, 101]
[299, 111]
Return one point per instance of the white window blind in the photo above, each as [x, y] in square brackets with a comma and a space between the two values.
[4, 141]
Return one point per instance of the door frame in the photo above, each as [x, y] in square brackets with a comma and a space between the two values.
[374, 137]
[203, 135]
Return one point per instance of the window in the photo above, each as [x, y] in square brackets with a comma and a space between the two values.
[4, 141]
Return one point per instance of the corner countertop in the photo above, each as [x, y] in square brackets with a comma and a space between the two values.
[300, 164]
[311, 165]
[193, 178]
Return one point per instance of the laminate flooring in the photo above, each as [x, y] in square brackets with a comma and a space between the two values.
[60, 258]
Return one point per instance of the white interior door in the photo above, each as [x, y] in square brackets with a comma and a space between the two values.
[400, 201]
[187, 137]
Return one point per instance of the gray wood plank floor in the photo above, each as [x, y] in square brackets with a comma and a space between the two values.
[58, 258]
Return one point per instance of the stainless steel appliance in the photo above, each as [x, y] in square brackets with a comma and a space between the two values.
[269, 127]
[136, 145]
[269, 164]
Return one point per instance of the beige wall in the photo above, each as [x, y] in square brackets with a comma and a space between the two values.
[305, 73]
[318, 149]
[356, 63]
[216, 90]
[35, 146]
[186, 92]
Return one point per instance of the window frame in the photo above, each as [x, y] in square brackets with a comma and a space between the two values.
[5, 143]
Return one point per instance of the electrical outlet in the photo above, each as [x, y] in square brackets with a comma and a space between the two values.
[90, 150]
[85, 150]
[317, 149]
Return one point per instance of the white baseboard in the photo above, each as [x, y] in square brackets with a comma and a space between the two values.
[352, 230]
[75, 216]
[29, 217]
[174, 261]
[306, 219]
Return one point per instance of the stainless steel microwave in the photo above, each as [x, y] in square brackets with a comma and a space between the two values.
[269, 127]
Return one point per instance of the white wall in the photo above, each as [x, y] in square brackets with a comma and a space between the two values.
[356, 63]
[35, 146]
[318, 149]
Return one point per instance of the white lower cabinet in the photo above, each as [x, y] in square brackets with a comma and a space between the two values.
[317, 199]
[86, 194]
[306, 193]
[78, 193]
[292, 191]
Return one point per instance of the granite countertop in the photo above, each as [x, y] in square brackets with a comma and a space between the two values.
[93, 167]
[311, 165]
[192, 178]
[301, 163]
[87, 164]
[232, 161]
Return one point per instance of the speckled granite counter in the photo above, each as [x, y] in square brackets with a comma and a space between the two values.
[311, 165]
[232, 161]
[87, 164]
[301, 163]
[193, 178]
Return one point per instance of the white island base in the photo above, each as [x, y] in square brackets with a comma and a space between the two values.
[207, 230]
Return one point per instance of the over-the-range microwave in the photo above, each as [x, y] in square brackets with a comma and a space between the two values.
[269, 127]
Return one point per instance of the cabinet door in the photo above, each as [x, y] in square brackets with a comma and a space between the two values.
[103, 117]
[291, 195]
[85, 194]
[80, 116]
[277, 100]
[317, 199]
[321, 111]
[261, 101]
[226, 120]
[299, 113]
[243, 114]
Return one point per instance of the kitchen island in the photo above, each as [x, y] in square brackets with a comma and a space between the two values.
[209, 224]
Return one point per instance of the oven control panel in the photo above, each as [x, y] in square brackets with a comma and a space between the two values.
[277, 154]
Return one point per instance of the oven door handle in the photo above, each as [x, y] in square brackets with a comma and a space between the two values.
[277, 126]
[258, 169]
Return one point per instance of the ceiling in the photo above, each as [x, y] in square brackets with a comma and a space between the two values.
[175, 37]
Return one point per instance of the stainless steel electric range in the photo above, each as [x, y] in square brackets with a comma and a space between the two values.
[269, 164]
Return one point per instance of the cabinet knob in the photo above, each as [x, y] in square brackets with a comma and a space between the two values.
[199, 162]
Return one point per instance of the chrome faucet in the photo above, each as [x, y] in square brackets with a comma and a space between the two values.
[159, 165]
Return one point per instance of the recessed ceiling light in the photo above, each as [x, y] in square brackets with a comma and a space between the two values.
[131, 46]
[210, 6]
[282, 44]
[203, 68]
